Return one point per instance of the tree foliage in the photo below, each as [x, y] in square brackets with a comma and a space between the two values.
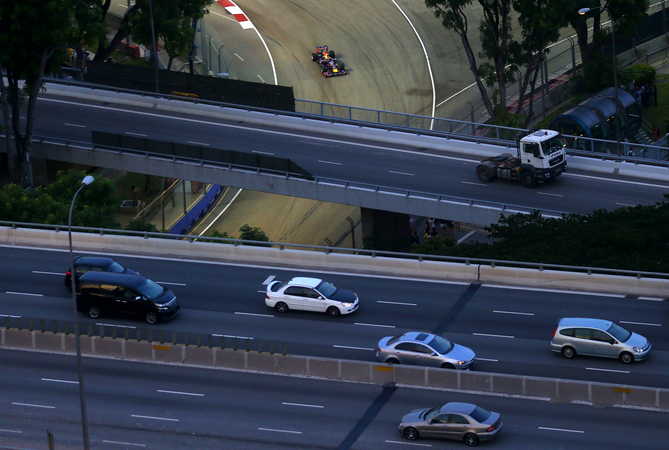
[630, 238]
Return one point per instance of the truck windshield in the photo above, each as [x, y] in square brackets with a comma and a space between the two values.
[552, 145]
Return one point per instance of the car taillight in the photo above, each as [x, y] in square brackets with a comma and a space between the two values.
[555, 331]
[490, 429]
[68, 272]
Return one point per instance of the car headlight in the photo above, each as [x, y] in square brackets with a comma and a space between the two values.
[347, 304]
[637, 349]
[162, 306]
[462, 362]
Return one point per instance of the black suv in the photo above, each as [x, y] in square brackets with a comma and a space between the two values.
[83, 264]
[105, 292]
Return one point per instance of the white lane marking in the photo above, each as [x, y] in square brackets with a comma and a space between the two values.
[239, 56]
[280, 431]
[493, 335]
[462, 239]
[74, 125]
[171, 283]
[268, 280]
[513, 312]
[396, 303]
[232, 336]
[489, 360]
[9, 315]
[652, 299]
[253, 314]
[408, 443]
[222, 212]
[34, 406]
[225, 17]
[49, 273]
[198, 143]
[607, 370]
[60, 381]
[560, 429]
[643, 323]
[624, 204]
[302, 404]
[114, 325]
[557, 291]
[374, 325]
[352, 348]
[261, 78]
[329, 162]
[25, 293]
[474, 184]
[262, 153]
[180, 393]
[2, 430]
[124, 443]
[401, 173]
[637, 183]
[154, 418]
[135, 134]
[548, 193]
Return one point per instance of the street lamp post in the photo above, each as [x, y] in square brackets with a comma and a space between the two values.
[583, 11]
[82, 398]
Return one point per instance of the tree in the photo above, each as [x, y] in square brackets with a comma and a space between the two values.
[33, 38]
[172, 22]
[249, 233]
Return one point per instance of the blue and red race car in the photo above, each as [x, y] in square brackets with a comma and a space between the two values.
[330, 67]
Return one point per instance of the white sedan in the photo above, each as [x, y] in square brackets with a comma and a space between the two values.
[310, 294]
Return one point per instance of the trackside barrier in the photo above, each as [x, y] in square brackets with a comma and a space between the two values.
[534, 275]
[605, 394]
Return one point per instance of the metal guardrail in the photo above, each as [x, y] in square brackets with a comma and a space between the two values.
[336, 250]
[154, 335]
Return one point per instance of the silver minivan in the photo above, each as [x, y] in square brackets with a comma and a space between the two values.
[595, 337]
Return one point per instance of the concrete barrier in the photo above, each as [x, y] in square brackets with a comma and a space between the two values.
[341, 370]
[360, 264]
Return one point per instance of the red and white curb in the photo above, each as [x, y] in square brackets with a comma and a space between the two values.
[237, 12]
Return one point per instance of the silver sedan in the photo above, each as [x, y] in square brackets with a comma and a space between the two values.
[424, 349]
[460, 421]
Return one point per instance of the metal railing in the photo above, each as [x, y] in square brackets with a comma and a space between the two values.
[279, 246]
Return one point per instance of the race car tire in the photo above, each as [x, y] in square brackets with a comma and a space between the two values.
[314, 57]
[331, 54]
[341, 66]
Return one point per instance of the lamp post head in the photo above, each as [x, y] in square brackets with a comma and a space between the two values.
[583, 11]
[87, 180]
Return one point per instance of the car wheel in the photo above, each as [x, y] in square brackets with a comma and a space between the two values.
[471, 439]
[94, 312]
[314, 57]
[341, 66]
[411, 433]
[68, 283]
[281, 307]
[484, 174]
[447, 366]
[331, 54]
[627, 357]
[333, 311]
[393, 361]
[528, 179]
[151, 317]
[568, 352]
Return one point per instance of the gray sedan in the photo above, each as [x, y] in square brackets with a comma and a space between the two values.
[460, 421]
[424, 349]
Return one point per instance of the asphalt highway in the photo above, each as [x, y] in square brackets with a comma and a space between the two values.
[354, 161]
[154, 406]
[509, 329]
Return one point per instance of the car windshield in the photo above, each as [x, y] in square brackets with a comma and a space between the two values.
[150, 289]
[441, 345]
[432, 412]
[479, 414]
[619, 332]
[394, 339]
[552, 145]
[327, 289]
[116, 268]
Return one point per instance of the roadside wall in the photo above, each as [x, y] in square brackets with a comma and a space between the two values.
[558, 390]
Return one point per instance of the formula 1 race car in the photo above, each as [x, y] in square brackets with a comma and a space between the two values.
[328, 62]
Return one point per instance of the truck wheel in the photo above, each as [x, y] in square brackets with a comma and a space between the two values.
[528, 179]
[484, 173]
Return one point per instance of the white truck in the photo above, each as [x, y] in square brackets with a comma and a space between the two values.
[540, 157]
